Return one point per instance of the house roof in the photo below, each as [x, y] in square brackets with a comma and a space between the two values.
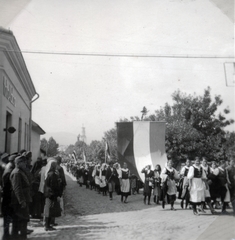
[37, 128]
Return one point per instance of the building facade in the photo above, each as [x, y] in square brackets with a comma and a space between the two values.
[16, 96]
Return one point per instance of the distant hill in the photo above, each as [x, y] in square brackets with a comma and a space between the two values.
[62, 138]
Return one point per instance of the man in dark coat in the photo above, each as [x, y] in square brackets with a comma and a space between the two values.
[111, 174]
[20, 198]
[6, 200]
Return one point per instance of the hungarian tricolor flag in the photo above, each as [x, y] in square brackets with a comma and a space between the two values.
[141, 143]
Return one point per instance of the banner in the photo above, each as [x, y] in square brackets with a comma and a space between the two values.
[141, 143]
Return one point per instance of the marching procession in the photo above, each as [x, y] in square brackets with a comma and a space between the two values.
[36, 191]
[198, 185]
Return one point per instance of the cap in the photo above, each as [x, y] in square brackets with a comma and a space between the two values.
[12, 157]
[4, 155]
[19, 159]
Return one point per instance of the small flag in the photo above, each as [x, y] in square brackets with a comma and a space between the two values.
[84, 156]
[107, 150]
[75, 155]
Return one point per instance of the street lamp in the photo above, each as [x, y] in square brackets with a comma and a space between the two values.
[10, 130]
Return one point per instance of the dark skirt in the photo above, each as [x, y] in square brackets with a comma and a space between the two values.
[52, 208]
[147, 189]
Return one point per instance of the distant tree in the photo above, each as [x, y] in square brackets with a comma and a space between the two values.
[94, 150]
[69, 149]
[230, 144]
[111, 137]
[44, 144]
[52, 147]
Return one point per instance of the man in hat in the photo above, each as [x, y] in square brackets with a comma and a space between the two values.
[20, 198]
[6, 198]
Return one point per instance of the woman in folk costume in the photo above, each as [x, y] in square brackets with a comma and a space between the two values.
[168, 176]
[183, 184]
[124, 177]
[207, 183]
[157, 184]
[223, 190]
[96, 175]
[103, 185]
[196, 176]
[52, 193]
[148, 182]
[214, 184]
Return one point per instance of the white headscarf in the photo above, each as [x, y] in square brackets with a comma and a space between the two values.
[48, 166]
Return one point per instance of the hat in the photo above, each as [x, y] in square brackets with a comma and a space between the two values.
[27, 154]
[58, 158]
[12, 157]
[4, 155]
[19, 159]
[22, 151]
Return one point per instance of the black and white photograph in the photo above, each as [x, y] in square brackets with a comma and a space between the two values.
[117, 120]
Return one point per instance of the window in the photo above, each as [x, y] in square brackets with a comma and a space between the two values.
[26, 137]
[19, 134]
[8, 135]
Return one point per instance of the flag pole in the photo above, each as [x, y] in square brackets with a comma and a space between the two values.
[105, 153]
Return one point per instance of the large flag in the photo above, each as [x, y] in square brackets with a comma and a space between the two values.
[107, 150]
[141, 143]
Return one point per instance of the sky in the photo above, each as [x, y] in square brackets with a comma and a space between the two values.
[96, 91]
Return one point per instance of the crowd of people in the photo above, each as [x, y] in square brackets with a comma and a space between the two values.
[199, 186]
[35, 191]
[30, 191]
[106, 178]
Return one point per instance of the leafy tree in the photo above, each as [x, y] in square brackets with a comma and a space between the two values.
[193, 126]
[44, 144]
[111, 137]
[52, 147]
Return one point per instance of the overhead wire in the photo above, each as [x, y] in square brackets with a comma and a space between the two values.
[125, 55]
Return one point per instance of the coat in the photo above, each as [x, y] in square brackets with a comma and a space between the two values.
[20, 193]
[20, 187]
[52, 188]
